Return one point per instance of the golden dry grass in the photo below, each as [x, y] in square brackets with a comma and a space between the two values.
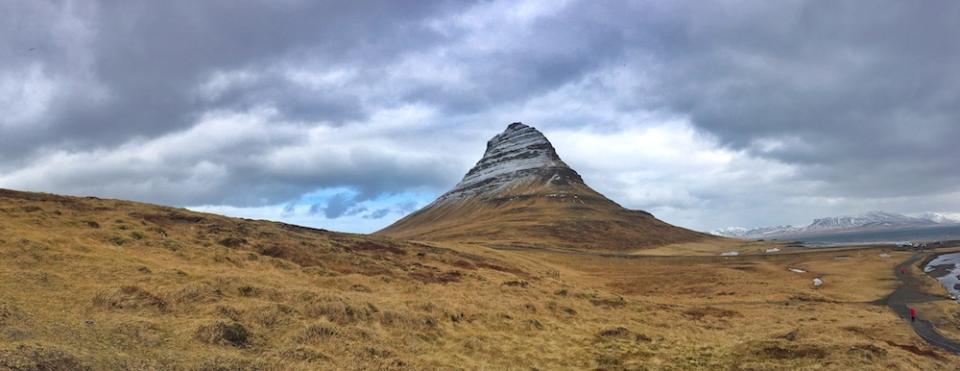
[101, 284]
[538, 213]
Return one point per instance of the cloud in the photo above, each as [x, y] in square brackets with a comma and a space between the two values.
[377, 214]
[338, 205]
[739, 112]
[236, 159]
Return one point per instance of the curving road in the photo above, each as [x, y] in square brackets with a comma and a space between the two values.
[907, 294]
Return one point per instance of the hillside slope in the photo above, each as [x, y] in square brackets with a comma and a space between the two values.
[91, 284]
[109, 284]
[522, 193]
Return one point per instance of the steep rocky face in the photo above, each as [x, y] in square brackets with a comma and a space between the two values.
[519, 154]
[522, 193]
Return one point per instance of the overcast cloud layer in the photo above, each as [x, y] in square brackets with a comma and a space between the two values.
[347, 115]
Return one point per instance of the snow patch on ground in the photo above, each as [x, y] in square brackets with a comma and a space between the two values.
[950, 280]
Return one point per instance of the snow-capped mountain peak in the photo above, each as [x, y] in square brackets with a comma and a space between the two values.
[941, 218]
[518, 154]
[873, 220]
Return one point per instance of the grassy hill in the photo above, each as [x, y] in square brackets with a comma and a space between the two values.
[87, 283]
[571, 216]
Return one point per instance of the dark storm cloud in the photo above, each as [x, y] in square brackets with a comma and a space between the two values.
[866, 94]
[863, 95]
[130, 70]
[261, 102]
[147, 56]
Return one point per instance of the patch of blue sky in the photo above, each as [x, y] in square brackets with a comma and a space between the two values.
[361, 216]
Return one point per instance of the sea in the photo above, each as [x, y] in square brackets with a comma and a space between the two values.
[921, 234]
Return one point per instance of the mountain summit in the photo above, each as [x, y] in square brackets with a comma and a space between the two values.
[518, 155]
[521, 192]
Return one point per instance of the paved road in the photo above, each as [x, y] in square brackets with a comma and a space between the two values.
[908, 294]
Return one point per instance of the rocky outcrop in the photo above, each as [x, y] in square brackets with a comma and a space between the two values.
[522, 192]
[519, 154]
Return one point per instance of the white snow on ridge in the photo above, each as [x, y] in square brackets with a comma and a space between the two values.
[870, 220]
[517, 155]
[520, 147]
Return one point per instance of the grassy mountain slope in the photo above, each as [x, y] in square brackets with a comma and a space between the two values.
[537, 212]
[103, 284]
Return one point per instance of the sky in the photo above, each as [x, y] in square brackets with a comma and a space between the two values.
[349, 115]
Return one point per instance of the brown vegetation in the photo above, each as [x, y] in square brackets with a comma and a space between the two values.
[204, 292]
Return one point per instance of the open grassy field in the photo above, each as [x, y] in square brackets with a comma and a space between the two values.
[101, 284]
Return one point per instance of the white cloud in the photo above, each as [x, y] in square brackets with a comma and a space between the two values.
[25, 95]
[669, 168]
[237, 152]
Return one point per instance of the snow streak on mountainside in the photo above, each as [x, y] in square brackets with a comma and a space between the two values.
[522, 193]
[518, 153]
[872, 221]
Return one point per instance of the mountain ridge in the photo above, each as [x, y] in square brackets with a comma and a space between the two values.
[869, 221]
[521, 191]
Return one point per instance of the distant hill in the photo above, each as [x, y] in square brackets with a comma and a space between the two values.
[871, 221]
[522, 192]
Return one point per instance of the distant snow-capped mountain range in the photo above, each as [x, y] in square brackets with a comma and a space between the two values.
[875, 220]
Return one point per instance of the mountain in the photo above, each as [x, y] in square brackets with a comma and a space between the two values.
[941, 218]
[871, 221]
[741, 232]
[92, 284]
[521, 192]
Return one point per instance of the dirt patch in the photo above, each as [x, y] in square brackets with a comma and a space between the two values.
[622, 333]
[699, 313]
[868, 351]
[463, 264]
[614, 332]
[534, 325]
[30, 196]
[38, 357]
[223, 333]
[339, 312]
[777, 351]
[315, 333]
[304, 354]
[792, 335]
[232, 242]
[501, 268]
[434, 277]
[813, 299]
[200, 292]
[300, 228]
[516, 283]
[745, 268]
[272, 316]
[368, 246]
[130, 297]
[916, 350]
[169, 218]
[138, 333]
[8, 313]
[617, 302]
[275, 251]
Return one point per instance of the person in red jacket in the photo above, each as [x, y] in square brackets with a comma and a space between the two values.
[913, 314]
